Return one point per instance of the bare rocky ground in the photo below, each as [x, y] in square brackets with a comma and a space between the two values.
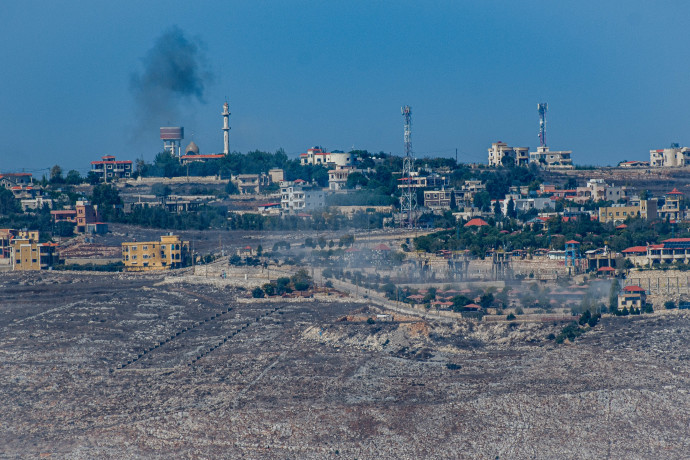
[123, 366]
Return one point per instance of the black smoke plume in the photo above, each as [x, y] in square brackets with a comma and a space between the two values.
[174, 72]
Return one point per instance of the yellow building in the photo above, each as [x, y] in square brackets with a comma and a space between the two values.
[28, 254]
[646, 210]
[170, 252]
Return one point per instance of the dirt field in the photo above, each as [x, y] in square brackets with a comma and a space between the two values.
[124, 366]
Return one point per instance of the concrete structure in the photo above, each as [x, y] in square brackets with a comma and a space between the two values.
[634, 164]
[465, 196]
[171, 137]
[552, 159]
[337, 178]
[433, 180]
[108, 169]
[318, 156]
[437, 199]
[675, 157]
[667, 252]
[674, 206]
[38, 202]
[298, 196]
[226, 128]
[26, 253]
[7, 235]
[646, 210]
[9, 180]
[169, 253]
[501, 154]
[84, 213]
[632, 296]
[525, 204]
[277, 175]
[185, 159]
[251, 183]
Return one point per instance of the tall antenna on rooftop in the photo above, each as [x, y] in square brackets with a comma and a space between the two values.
[408, 199]
[542, 108]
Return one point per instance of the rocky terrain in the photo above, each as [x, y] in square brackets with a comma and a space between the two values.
[129, 366]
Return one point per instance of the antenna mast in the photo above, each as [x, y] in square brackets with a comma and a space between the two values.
[408, 199]
[542, 108]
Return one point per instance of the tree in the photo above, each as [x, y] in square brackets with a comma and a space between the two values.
[8, 204]
[56, 175]
[486, 300]
[613, 295]
[107, 198]
[269, 289]
[73, 177]
[64, 229]
[93, 178]
[162, 191]
[231, 188]
[257, 292]
[356, 179]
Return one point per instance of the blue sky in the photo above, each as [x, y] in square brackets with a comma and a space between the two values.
[304, 73]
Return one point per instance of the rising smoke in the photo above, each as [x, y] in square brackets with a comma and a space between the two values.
[174, 72]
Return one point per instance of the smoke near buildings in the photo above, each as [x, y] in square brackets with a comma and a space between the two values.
[174, 75]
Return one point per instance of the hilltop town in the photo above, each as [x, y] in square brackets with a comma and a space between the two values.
[344, 292]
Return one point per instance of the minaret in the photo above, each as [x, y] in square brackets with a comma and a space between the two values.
[226, 129]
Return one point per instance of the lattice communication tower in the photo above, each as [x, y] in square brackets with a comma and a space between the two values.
[408, 199]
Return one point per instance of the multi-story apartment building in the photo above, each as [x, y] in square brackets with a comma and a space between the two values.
[318, 156]
[501, 154]
[83, 214]
[525, 204]
[251, 183]
[433, 180]
[465, 196]
[437, 199]
[26, 253]
[297, 196]
[674, 206]
[7, 235]
[337, 178]
[675, 157]
[552, 159]
[647, 210]
[168, 253]
[108, 169]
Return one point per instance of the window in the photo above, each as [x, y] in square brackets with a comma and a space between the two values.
[134, 248]
[145, 247]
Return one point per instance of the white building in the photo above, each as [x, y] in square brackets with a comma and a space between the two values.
[500, 154]
[525, 204]
[552, 159]
[318, 156]
[670, 158]
[299, 196]
[337, 178]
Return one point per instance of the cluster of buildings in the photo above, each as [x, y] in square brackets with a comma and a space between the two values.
[501, 154]
[22, 250]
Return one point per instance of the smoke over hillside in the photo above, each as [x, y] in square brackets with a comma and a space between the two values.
[174, 72]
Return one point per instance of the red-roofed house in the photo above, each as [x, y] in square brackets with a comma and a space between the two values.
[476, 222]
[632, 296]
[108, 169]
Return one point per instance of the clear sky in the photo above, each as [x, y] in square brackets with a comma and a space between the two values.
[78, 77]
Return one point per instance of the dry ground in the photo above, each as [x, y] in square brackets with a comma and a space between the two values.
[122, 366]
